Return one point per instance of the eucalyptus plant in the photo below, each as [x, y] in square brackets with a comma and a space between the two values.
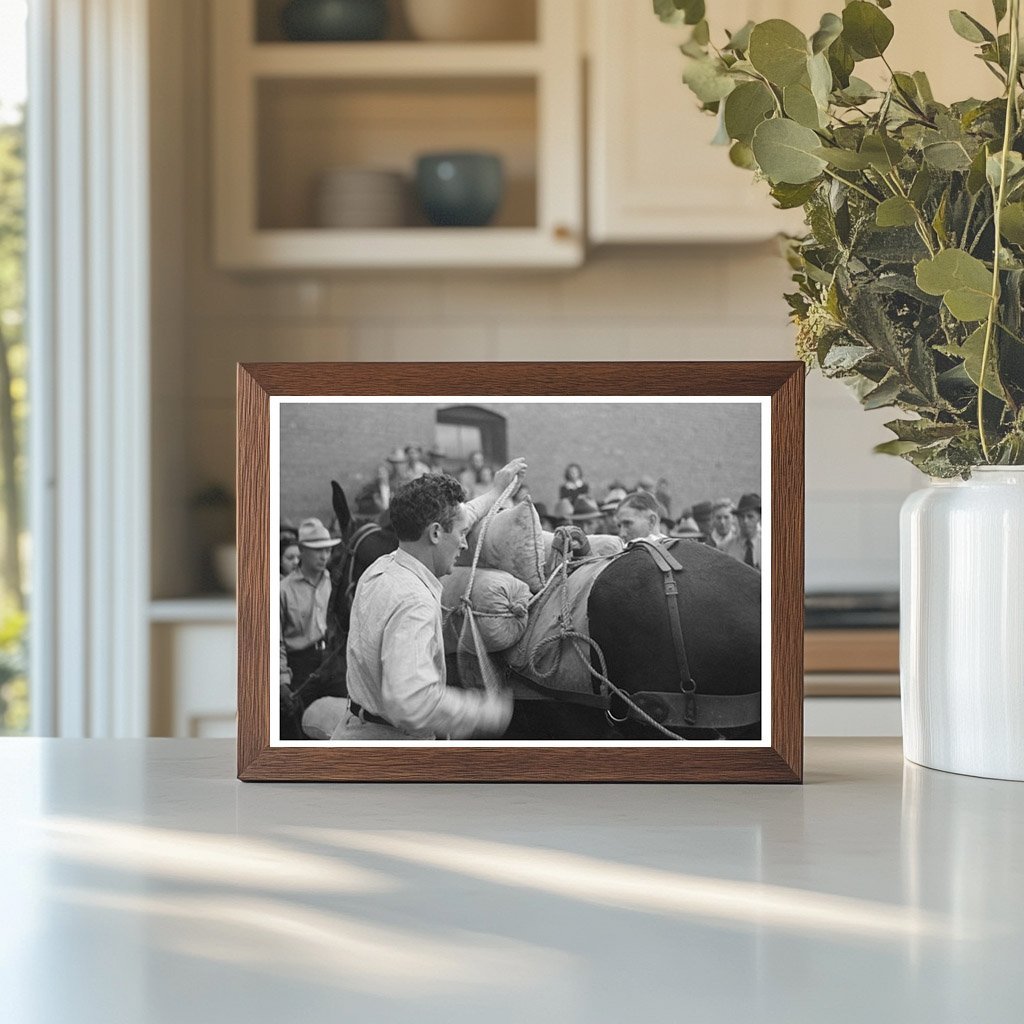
[909, 280]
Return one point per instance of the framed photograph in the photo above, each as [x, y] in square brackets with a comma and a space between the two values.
[520, 572]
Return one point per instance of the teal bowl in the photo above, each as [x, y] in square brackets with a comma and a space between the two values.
[462, 190]
[333, 21]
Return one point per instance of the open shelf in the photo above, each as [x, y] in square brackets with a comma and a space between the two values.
[393, 60]
[519, 19]
[287, 113]
[306, 128]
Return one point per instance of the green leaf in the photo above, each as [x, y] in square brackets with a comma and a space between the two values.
[820, 75]
[896, 212]
[866, 29]
[829, 30]
[789, 197]
[841, 60]
[742, 155]
[778, 50]
[844, 159]
[968, 28]
[946, 156]
[921, 185]
[801, 106]
[707, 80]
[895, 447]
[939, 220]
[745, 108]
[976, 174]
[739, 41]
[883, 153]
[785, 152]
[971, 352]
[885, 394]
[923, 431]
[963, 281]
[924, 88]
[994, 167]
[1011, 225]
[679, 12]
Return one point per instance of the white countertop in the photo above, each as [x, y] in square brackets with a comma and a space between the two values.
[143, 884]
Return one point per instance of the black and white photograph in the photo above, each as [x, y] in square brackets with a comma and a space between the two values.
[523, 571]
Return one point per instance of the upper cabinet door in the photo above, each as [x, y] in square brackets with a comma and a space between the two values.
[653, 174]
[316, 144]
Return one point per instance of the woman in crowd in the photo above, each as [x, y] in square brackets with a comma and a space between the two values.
[289, 556]
[574, 486]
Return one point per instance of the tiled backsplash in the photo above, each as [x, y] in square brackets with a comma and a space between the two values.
[700, 303]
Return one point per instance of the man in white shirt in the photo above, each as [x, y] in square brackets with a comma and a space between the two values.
[746, 545]
[638, 517]
[396, 671]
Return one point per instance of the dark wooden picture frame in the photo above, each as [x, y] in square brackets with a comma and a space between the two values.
[779, 761]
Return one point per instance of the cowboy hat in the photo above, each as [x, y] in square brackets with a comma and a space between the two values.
[585, 508]
[749, 503]
[612, 499]
[313, 534]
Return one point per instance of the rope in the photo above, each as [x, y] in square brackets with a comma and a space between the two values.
[566, 632]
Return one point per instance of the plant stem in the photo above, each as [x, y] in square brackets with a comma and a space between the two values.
[850, 184]
[993, 308]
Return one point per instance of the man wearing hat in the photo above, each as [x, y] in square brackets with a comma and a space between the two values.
[304, 597]
[585, 514]
[611, 502]
[746, 545]
[701, 514]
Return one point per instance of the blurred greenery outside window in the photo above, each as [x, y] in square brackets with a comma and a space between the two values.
[14, 694]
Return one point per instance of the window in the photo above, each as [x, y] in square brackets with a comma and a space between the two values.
[464, 429]
[14, 706]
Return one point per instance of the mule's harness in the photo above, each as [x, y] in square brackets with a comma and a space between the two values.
[357, 538]
[688, 708]
[664, 711]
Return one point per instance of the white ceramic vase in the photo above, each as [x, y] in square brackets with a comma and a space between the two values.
[962, 624]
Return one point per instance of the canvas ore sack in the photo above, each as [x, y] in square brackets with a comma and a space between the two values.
[512, 543]
[543, 655]
[500, 603]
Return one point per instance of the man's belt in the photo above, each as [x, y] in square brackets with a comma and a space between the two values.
[366, 716]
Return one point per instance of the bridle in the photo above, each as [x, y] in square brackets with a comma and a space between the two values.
[357, 538]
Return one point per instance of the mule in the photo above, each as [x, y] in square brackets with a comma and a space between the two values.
[363, 542]
[719, 602]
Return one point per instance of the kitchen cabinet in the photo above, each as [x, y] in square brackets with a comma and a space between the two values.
[286, 113]
[653, 175]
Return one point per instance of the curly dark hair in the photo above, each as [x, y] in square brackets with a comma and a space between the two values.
[434, 498]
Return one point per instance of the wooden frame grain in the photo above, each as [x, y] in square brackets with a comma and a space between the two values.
[781, 761]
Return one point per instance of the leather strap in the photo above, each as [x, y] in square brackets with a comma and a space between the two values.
[668, 565]
[366, 716]
[712, 711]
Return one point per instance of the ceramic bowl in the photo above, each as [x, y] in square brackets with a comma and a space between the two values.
[460, 189]
[334, 20]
